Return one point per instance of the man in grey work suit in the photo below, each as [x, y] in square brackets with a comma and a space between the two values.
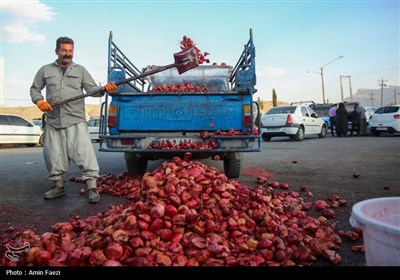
[66, 134]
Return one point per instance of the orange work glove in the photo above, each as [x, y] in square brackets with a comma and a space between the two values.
[43, 105]
[110, 87]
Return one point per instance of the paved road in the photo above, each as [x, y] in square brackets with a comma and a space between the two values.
[324, 166]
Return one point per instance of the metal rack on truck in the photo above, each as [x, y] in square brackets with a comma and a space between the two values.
[140, 120]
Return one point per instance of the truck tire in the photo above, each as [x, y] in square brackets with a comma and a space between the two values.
[232, 165]
[136, 167]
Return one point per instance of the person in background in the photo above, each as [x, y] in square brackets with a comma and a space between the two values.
[355, 121]
[341, 120]
[66, 133]
[332, 117]
[363, 124]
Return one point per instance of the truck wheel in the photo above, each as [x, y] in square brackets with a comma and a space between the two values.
[136, 167]
[232, 166]
[299, 135]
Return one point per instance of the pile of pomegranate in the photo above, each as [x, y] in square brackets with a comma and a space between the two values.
[210, 145]
[187, 87]
[186, 42]
[187, 214]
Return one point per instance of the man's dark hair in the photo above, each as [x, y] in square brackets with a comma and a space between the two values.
[63, 40]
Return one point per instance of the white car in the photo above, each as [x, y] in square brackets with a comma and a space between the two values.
[37, 122]
[94, 129]
[385, 119]
[369, 111]
[295, 121]
[15, 129]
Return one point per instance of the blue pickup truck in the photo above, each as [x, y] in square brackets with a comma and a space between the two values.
[148, 125]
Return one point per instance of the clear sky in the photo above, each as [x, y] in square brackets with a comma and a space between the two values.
[291, 39]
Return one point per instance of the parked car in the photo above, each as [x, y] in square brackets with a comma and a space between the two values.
[38, 122]
[94, 129]
[295, 121]
[41, 122]
[15, 129]
[94, 126]
[369, 111]
[322, 111]
[385, 119]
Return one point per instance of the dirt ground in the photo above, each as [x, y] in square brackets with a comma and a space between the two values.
[324, 166]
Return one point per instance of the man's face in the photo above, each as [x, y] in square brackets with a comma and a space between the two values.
[65, 54]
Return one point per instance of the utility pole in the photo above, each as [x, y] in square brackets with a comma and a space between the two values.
[323, 86]
[351, 91]
[395, 96]
[322, 77]
[382, 84]
[371, 97]
[341, 88]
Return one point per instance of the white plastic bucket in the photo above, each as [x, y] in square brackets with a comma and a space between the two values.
[380, 220]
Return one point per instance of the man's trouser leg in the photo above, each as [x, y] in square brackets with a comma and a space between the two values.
[56, 160]
[81, 152]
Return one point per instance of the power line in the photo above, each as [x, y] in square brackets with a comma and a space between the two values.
[376, 71]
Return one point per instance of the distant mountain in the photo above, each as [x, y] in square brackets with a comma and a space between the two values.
[33, 112]
[372, 97]
[266, 105]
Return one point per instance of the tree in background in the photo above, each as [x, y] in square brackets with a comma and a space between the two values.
[261, 104]
[274, 98]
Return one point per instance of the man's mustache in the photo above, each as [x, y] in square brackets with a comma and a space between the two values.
[67, 56]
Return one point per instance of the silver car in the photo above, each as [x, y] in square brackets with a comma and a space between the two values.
[295, 121]
[94, 129]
